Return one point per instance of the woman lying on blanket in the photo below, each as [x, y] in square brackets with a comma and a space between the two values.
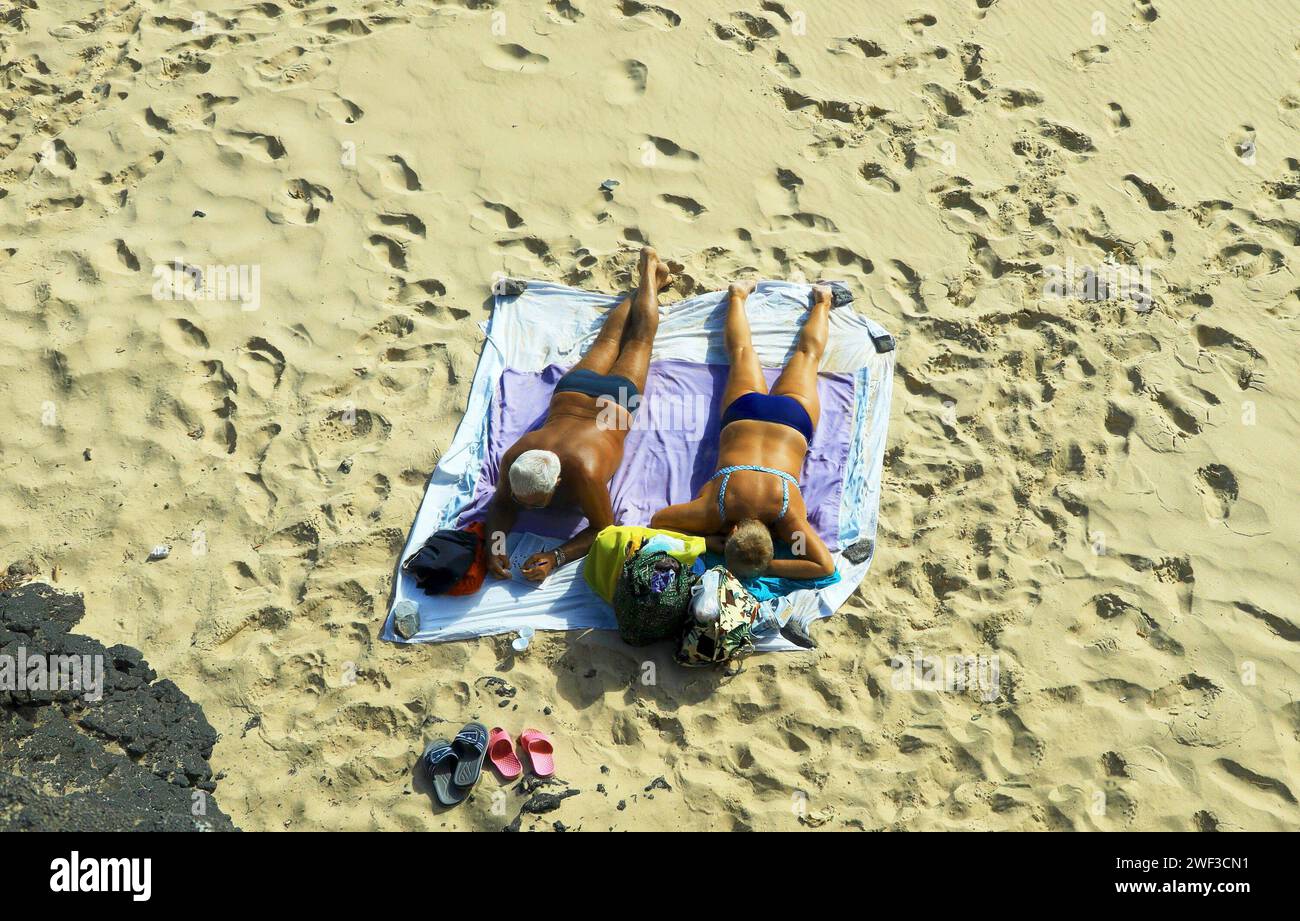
[755, 492]
[580, 445]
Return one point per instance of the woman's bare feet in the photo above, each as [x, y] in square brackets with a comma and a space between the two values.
[742, 289]
[668, 271]
[822, 295]
[664, 271]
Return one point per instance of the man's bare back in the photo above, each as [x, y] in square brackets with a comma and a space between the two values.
[585, 429]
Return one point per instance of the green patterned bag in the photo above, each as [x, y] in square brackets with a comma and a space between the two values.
[729, 637]
[652, 597]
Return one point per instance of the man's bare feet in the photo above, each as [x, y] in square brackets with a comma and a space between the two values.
[648, 268]
[668, 273]
[822, 294]
[742, 289]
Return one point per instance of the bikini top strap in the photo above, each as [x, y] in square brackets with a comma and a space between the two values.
[726, 472]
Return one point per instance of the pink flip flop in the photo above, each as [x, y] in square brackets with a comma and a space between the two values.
[539, 751]
[501, 752]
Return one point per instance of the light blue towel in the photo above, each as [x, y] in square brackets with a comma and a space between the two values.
[767, 587]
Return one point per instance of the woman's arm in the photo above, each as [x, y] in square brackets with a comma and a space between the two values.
[812, 558]
[694, 517]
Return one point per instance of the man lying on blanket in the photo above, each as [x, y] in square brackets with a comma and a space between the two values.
[573, 455]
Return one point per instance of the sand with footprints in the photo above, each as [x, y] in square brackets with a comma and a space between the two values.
[1080, 221]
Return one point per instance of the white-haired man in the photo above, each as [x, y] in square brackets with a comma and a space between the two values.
[572, 456]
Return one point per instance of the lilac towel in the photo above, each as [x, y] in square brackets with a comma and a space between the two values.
[672, 449]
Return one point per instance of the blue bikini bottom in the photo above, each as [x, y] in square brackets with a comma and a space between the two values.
[766, 407]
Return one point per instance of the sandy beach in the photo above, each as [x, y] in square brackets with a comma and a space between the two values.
[1087, 483]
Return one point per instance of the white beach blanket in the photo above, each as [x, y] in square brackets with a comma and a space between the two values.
[553, 324]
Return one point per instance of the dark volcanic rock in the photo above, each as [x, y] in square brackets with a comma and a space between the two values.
[135, 759]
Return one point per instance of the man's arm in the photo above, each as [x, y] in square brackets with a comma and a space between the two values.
[593, 497]
[501, 516]
[812, 558]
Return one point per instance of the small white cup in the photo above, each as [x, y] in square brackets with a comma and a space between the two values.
[525, 637]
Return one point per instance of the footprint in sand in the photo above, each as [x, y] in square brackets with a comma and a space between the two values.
[343, 111]
[415, 292]
[1023, 98]
[57, 157]
[1202, 714]
[398, 176]
[182, 65]
[343, 26]
[659, 16]
[1066, 137]
[809, 221]
[1236, 357]
[305, 202]
[1247, 259]
[1280, 626]
[1156, 199]
[293, 65]
[216, 393]
[515, 58]
[1116, 117]
[1144, 13]
[626, 83]
[401, 223]
[183, 337]
[1220, 495]
[263, 364]
[1086, 57]
[918, 24]
[387, 251]
[124, 181]
[683, 206]
[50, 206]
[854, 45]
[662, 153]
[265, 147]
[565, 10]
[1263, 791]
[945, 101]
[157, 122]
[125, 256]
[496, 216]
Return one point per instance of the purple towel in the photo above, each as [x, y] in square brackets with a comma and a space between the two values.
[672, 449]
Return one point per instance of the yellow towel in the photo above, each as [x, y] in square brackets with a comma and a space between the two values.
[605, 559]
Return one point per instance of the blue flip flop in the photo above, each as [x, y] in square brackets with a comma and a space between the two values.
[470, 748]
[439, 761]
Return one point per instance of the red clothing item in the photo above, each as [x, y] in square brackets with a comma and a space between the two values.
[472, 581]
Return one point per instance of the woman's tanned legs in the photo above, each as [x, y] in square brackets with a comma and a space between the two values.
[746, 374]
[799, 379]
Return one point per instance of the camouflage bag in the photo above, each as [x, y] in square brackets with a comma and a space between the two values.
[728, 638]
[652, 597]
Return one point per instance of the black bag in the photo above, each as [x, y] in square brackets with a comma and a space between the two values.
[443, 560]
[652, 598]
